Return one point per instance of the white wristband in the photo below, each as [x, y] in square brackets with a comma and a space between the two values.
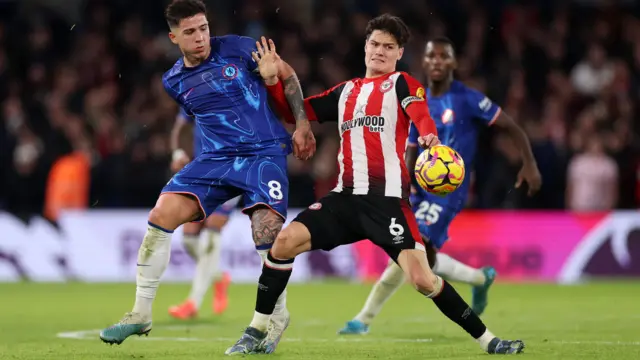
[178, 154]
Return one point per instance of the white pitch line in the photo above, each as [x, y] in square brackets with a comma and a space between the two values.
[93, 334]
[301, 324]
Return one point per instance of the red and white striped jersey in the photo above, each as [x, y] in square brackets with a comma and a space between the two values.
[373, 119]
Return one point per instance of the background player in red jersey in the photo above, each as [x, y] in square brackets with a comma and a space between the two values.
[371, 198]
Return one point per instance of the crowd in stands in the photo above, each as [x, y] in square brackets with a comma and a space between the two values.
[85, 121]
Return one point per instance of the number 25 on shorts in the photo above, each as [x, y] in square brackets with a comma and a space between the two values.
[428, 212]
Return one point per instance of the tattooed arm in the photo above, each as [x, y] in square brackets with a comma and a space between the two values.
[304, 143]
[293, 93]
[272, 69]
[265, 226]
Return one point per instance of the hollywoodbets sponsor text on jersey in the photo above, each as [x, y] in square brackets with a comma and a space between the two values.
[374, 123]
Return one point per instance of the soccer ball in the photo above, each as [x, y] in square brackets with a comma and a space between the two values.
[439, 170]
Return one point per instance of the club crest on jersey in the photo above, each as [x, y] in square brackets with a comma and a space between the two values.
[230, 71]
[386, 85]
[447, 116]
[315, 206]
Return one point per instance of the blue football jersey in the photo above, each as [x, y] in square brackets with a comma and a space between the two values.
[458, 115]
[226, 97]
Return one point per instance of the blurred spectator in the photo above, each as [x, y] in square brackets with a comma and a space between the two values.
[592, 179]
[593, 73]
[68, 182]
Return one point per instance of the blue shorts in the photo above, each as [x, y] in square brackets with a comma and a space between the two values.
[434, 215]
[260, 180]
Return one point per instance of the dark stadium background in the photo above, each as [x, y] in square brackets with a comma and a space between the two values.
[75, 74]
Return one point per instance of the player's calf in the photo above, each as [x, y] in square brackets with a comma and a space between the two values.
[190, 243]
[153, 258]
[415, 265]
[276, 272]
[190, 239]
[273, 280]
[449, 302]
[266, 225]
[277, 269]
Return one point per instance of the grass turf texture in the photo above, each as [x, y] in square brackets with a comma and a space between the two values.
[592, 321]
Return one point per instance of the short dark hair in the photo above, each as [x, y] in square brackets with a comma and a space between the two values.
[443, 40]
[182, 9]
[392, 25]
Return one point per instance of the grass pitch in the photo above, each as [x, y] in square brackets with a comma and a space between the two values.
[61, 321]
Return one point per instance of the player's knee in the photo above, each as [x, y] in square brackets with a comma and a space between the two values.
[173, 210]
[423, 281]
[161, 216]
[283, 245]
[291, 241]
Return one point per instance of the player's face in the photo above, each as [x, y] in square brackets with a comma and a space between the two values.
[381, 52]
[192, 36]
[439, 61]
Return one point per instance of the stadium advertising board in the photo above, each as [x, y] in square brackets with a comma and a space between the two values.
[101, 246]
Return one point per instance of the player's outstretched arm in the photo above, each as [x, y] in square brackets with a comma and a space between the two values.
[529, 171]
[425, 124]
[321, 107]
[272, 68]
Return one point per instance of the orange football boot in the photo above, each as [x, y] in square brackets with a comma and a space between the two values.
[220, 298]
[186, 310]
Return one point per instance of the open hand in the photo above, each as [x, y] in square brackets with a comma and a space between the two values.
[267, 60]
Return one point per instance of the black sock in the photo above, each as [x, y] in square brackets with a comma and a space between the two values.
[456, 309]
[273, 280]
